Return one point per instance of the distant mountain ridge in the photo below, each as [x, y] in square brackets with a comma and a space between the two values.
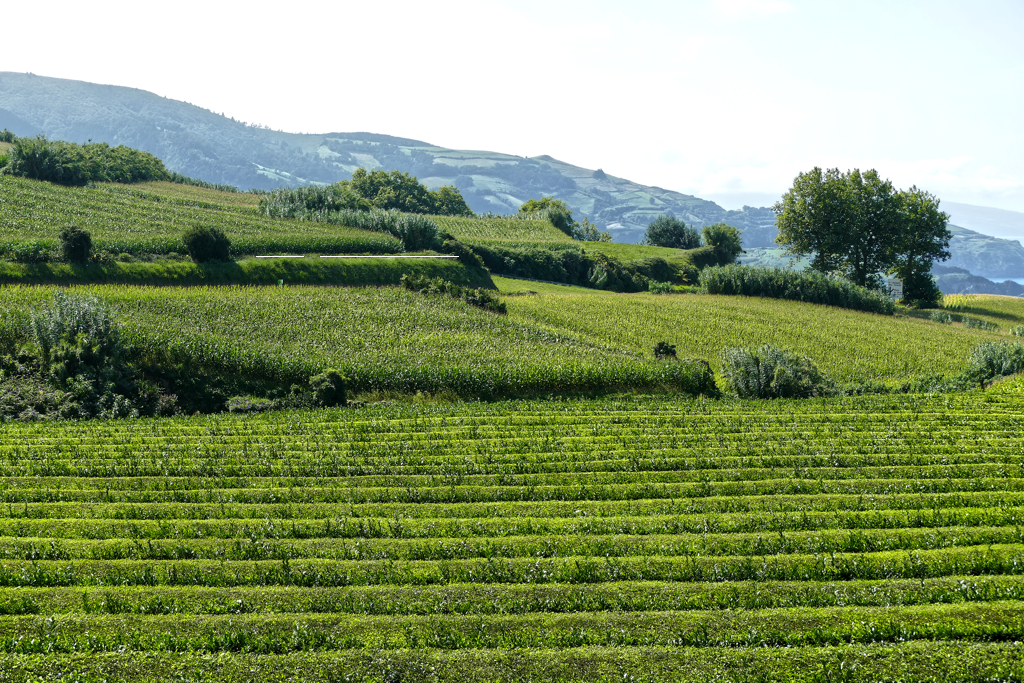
[206, 145]
[200, 143]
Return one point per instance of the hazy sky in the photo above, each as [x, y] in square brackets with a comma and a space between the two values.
[726, 99]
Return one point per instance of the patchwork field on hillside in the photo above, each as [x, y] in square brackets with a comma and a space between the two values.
[855, 540]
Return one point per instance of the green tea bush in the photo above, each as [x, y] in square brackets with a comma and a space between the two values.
[481, 298]
[1017, 331]
[205, 244]
[770, 372]
[415, 231]
[777, 283]
[7, 136]
[75, 245]
[942, 317]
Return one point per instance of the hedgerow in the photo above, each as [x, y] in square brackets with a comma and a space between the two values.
[778, 283]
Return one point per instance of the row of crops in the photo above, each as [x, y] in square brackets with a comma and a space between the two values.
[623, 539]
[150, 218]
[392, 340]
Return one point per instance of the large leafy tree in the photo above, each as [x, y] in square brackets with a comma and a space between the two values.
[669, 231]
[925, 240]
[859, 224]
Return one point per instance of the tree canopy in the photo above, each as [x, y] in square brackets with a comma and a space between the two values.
[669, 231]
[398, 190]
[860, 225]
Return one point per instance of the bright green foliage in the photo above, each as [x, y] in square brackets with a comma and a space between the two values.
[847, 345]
[311, 203]
[650, 540]
[992, 360]
[504, 228]
[725, 240]
[859, 224]
[402, 192]
[669, 231]
[385, 339]
[770, 372]
[777, 283]
[152, 218]
[555, 211]
[67, 163]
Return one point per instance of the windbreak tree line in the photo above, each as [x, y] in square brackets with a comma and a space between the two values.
[859, 225]
[368, 190]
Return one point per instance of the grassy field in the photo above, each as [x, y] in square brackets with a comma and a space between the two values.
[385, 339]
[151, 218]
[849, 345]
[1005, 312]
[641, 540]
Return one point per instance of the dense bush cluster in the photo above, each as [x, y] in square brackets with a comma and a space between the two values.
[770, 372]
[481, 298]
[67, 163]
[206, 244]
[574, 266]
[669, 231]
[778, 283]
[74, 356]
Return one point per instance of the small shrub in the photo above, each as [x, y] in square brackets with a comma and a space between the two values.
[725, 240]
[769, 372]
[669, 231]
[941, 317]
[991, 360]
[205, 244]
[75, 245]
[7, 136]
[976, 323]
[664, 351]
[329, 389]
[655, 287]
[1017, 331]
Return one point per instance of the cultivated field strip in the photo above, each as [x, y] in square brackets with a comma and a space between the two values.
[635, 539]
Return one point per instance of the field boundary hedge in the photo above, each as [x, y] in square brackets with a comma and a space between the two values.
[778, 283]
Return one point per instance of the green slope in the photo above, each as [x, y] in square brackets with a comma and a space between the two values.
[651, 540]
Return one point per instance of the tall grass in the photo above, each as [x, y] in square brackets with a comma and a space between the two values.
[777, 283]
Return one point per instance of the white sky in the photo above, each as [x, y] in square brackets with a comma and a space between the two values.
[726, 99]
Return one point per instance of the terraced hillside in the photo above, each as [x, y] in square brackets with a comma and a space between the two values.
[856, 540]
[150, 218]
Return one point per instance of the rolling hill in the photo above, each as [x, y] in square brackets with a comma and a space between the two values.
[203, 144]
